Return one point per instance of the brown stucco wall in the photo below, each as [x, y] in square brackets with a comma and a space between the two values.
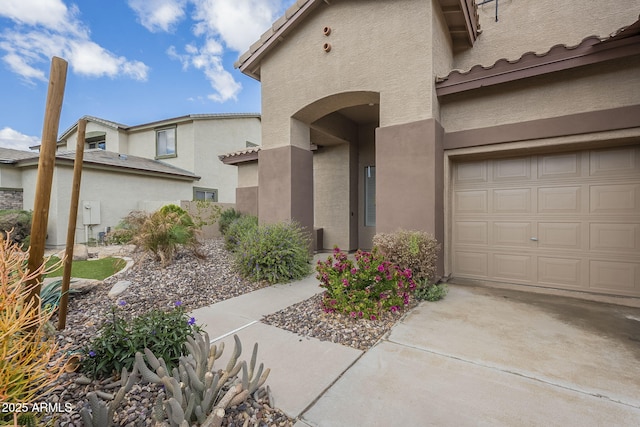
[286, 185]
[410, 179]
[247, 200]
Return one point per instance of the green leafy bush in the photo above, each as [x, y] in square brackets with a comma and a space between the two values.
[364, 289]
[243, 225]
[276, 253]
[226, 218]
[18, 222]
[164, 231]
[430, 292]
[118, 340]
[414, 250]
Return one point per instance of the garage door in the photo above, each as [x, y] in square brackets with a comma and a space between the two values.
[567, 220]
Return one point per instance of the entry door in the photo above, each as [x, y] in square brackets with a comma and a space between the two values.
[566, 220]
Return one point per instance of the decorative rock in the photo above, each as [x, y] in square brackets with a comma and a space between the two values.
[80, 252]
[119, 288]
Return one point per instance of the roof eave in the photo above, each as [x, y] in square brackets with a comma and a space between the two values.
[560, 57]
[249, 62]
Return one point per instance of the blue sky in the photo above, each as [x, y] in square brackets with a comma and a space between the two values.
[130, 61]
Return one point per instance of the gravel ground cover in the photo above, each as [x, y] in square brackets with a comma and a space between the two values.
[196, 283]
[193, 281]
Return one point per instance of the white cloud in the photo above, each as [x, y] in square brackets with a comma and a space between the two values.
[159, 15]
[10, 138]
[231, 25]
[46, 28]
[238, 23]
[208, 59]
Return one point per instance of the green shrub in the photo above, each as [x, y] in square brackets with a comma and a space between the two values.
[364, 289]
[164, 231]
[118, 340]
[226, 218]
[18, 222]
[430, 292]
[237, 229]
[276, 253]
[415, 250]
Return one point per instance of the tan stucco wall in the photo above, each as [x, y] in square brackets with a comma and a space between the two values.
[115, 200]
[331, 179]
[442, 54]
[376, 46]
[366, 157]
[248, 174]
[536, 26]
[116, 140]
[590, 88]
[10, 177]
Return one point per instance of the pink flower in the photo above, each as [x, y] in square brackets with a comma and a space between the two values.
[394, 309]
[345, 282]
[353, 314]
[381, 268]
[354, 270]
[408, 274]
[377, 278]
[360, 314]
[373, 317]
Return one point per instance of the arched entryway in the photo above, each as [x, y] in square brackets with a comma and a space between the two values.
[341, 132]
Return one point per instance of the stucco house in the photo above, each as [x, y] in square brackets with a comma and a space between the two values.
[128, 168]
[112, 186]
[192, 142]
[511, 134]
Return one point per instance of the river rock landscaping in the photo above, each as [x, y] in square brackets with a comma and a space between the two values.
[195, 282]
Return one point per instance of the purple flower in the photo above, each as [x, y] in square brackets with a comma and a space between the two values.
[377, 278]
[122, 303]
[394, 309]
[178, 303]
[353, 270]
[192, 321]
[345, 282]
[381, 268]
[373, 317]
[92, 353]
[353, 314]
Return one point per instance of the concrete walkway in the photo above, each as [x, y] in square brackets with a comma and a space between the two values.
[480, 357]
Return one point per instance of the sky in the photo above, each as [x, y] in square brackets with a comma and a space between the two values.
[129, 61]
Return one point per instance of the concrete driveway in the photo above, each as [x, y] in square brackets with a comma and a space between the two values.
[492, 357]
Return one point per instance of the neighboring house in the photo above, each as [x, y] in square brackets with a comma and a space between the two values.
[511, 134]
[112, 185]
[190, 142]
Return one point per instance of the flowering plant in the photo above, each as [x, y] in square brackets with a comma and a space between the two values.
[118, 340]
[364, 289]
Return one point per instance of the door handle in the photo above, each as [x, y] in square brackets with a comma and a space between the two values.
[534, 239]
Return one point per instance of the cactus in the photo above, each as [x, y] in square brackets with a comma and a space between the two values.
[197, 392]
[101, 413]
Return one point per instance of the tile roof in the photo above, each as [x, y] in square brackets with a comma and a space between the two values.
[623, 42]
[240, 156]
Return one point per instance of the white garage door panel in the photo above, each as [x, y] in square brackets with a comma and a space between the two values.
[568, 220]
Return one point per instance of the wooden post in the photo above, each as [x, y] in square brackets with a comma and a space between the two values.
[71, 229]
[46, 163]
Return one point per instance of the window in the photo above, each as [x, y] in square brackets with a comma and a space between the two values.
[370, 196]
[100, 145]
[166, 142]
[97, 141]
[210, 194]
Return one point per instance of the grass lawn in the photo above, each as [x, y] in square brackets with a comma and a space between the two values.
[96, 269]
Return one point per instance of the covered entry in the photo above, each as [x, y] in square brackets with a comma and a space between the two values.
[564, 220]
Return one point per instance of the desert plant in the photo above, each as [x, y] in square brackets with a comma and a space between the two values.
[127, 228]
[431, 292]
[164, 231]
[364, 289]
[197, 392]
[51, 293]
[274, 252]
[226, 218]
[238, 228]
[118, 340]
[17, 224]
[29, 363]
[204, 212]
[414, 250]
[101, 414]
